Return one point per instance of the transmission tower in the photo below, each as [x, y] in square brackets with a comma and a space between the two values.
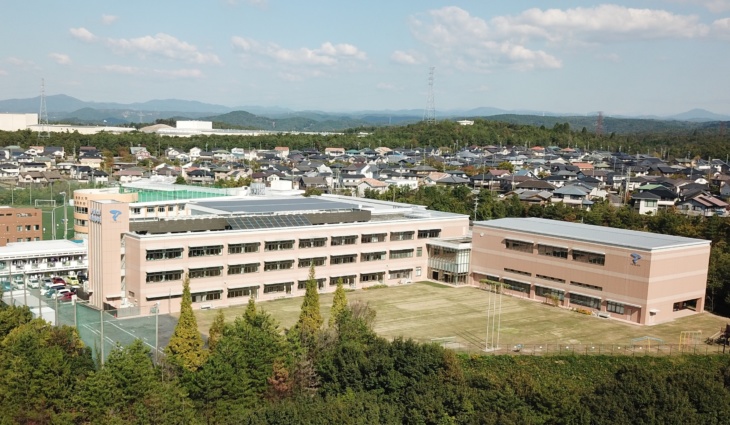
[43, 132]
[429, 116]
[599, 124]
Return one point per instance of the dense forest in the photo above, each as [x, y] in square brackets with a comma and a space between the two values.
[252, 372]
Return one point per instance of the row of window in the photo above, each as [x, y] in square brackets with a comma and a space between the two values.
[176, 275]
[242, 248]
[27, 227]
[556, 251]
[161, 209]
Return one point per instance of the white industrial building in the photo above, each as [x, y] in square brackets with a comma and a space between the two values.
[15, 122]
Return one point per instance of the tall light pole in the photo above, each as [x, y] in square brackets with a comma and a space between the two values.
[65, 216]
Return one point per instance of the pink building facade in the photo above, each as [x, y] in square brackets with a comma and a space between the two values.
[639, 277]
[236, 249]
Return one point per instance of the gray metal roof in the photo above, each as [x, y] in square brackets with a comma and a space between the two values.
[273, 205]
[591, 234]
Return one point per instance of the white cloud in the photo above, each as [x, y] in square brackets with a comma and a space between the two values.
[173, 73]
[716, 6]
[82, 34]
[21, 63]
[300, 63]
[163, 45]
[407, 58]
[122, 69]
[108, 19]
[519, 42]
[60, 58]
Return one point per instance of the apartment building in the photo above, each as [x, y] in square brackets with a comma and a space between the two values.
[20, 225]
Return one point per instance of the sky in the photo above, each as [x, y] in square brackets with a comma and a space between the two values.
[640, 57]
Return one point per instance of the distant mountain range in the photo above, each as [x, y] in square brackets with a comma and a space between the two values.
[67, 109]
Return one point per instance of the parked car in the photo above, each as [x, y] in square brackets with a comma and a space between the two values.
[34, 283]
[83, 277]
[60, 293]
[59, 279]
[65, 296]
[7, 287]
[72, 280]
[47, 282]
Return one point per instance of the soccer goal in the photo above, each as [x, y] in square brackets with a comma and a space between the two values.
[40, 203]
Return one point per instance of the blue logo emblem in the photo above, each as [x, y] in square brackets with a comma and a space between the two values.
[635, 259]
[115, 214]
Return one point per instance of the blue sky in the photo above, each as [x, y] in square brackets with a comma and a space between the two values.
[640, 57]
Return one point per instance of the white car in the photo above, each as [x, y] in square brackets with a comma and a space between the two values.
[34, 283]
[60, 293]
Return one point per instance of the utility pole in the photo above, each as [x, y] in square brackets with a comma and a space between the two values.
[101, 333]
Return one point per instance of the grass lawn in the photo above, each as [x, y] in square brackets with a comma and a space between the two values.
[58, 216]
[425, 311]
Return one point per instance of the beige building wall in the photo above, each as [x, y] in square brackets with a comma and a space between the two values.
[108, 221]
[82, 205]
[144, 294]
[648, 290]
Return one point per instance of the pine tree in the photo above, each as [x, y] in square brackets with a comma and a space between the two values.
[339, 303]
[186, 345]
[310, 319]
[216, 330]
[250, 313]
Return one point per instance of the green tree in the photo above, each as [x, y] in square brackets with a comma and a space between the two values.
[310, 319]
[180, 180]
[185, 349]
[339, 303]
[216, 330]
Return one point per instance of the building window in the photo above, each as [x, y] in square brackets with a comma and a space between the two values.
[278, 287]
[400, 274]
[19, 228]
[242, 292]
[239, 248]
[164, 254]
[418, 271]
[160, 209]
[37, 227]
[523, 273]
[82, 210]
[278, 245]
[585, 301]
[312, 243]
[166, 276]
[170, 208]
[200, 297]
[346, 280]
[585, 285]
[401, 253]
[243, 268]
[342, 259]
[516, 245]
[278, 265]
[150, 210]
[374, 238]
[516, 285]
[205, 272]
[307, 262]
[205, 251]
[372, 256]
[614, 307]
[432, 233]
[371, 277]
[550, 278]
[419, 251]
[541, 291]
[302, 284]
[552, 251]
[136, 211]
[344, 240]
[589, 257]
[401, 236]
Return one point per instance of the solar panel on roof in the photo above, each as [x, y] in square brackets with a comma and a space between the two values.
[268, 222]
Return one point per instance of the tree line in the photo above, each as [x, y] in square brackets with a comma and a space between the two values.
[252, 372]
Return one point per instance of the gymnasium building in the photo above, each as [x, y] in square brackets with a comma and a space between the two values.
[641, 277]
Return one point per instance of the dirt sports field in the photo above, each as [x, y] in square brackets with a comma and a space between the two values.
[457, 317]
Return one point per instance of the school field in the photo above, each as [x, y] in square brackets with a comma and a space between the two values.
[457, 317]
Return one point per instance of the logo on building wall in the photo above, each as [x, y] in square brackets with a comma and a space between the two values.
[115, 214]
[95, 216]
[635, 259]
